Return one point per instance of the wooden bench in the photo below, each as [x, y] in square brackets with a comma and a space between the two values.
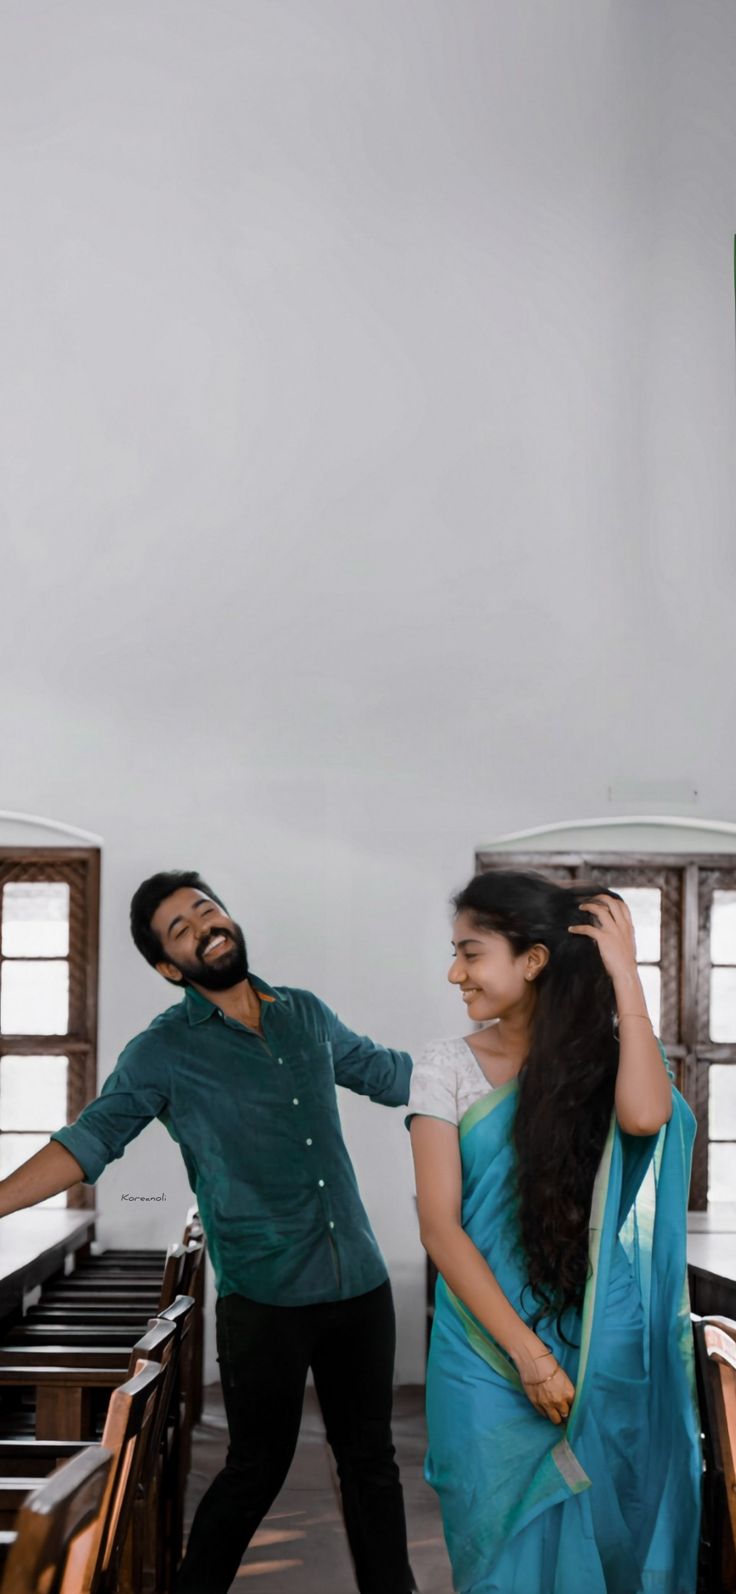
[136, 1414]
[51, 1524]
[715, 1360]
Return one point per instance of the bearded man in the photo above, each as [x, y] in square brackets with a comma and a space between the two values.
[243, 1076]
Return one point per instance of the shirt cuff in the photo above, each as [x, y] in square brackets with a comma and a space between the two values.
[84, 1148]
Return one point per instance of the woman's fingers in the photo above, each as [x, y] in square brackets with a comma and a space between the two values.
[616, 910]
[594, 906]
[612, 931]
[553, 1398]
[550, 1409]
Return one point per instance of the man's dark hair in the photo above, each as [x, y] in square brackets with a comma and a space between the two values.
[148, 898]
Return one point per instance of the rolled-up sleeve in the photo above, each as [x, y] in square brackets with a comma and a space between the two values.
[363, 1066]
[133, 1095]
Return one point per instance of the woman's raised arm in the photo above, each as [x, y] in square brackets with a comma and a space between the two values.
[643, 1097]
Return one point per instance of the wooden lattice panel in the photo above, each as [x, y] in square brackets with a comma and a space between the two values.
[536, 863]
[79, 869]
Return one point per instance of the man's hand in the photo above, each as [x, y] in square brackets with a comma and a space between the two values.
[47, 1173]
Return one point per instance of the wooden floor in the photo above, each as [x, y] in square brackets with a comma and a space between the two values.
[301, 1548]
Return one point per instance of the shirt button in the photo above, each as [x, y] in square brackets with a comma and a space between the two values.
[279, 1059]
[332, 1225]
[321, 1183]
[308, 1142]
[296, 1101]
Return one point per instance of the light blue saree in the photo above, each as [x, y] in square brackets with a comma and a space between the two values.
[610, 1503]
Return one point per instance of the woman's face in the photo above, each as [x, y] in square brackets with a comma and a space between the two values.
[493, 980]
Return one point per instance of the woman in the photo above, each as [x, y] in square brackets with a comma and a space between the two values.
[552, 1160]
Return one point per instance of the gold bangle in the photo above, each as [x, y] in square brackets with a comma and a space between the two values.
[534, 1383]
[645, 1016]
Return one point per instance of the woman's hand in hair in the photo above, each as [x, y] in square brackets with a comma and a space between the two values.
[613, 933]
[548, 1387]
[643, 1097]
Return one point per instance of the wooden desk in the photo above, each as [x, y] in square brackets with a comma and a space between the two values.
[33, 1246]
[711, 1255]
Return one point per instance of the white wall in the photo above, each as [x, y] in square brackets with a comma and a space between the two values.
[367, 399]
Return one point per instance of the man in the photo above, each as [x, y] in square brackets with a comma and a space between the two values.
[243, 1076]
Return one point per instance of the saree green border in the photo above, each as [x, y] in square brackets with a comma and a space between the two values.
[569, 1467]
[482, 1342]
[478, 1337]
[480, 1109]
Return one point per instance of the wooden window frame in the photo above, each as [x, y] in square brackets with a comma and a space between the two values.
[80, 868]
[685, 996]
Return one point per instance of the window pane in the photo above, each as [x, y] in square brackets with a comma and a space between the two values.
[34, 999]
[645, 906]
[15, 1149]
[33, 1092]
[722, 1101]
[723, 1005]
[721, 1165]
[651, 980]
[723, 927]
[36, 919]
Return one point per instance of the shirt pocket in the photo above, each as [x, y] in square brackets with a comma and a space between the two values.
[313, 1076]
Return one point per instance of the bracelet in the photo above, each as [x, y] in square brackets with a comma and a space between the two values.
[644, 1016]
[534, 1383]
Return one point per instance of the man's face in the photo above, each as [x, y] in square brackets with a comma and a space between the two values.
[199, 941]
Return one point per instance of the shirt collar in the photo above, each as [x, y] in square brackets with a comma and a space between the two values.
[199, 1008]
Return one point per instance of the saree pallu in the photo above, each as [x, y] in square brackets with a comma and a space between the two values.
[609, 1503]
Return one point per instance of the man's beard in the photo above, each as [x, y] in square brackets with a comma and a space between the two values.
[230, 969]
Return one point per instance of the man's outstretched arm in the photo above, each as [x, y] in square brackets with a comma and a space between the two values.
[131, 1096]
[47, 1173]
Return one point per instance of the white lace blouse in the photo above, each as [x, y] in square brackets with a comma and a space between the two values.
[446, 1080]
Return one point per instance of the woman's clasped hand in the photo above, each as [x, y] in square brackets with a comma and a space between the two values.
[547, 1386]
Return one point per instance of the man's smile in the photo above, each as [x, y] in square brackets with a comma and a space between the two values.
[216, 943]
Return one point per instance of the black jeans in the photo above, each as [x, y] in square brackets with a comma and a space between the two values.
[265, 1353]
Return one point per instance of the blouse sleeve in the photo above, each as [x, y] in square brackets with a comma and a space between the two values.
[433, 1091]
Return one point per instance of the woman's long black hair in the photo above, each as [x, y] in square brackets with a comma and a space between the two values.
[567, 1081]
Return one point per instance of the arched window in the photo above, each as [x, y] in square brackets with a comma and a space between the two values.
[49, 918]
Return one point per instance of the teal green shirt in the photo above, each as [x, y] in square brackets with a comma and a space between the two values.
[259, 1130]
